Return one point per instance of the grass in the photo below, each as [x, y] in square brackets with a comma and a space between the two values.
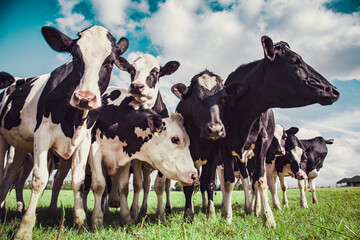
[337, 216]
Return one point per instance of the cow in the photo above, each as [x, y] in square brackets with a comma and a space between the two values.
[281, 79]
[302, 160]
[53, 112]
[201, 105]
[124, 132]
[145, 73]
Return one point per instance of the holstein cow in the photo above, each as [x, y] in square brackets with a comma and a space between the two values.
[52, 112]
[201, 106]
[145, 73]
[282, 79]
[124, 133]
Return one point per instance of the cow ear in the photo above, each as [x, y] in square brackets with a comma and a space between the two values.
[268, 46]
[180, 90]
[122, 63]
[235, 89]
[329, 141]
[122, 45]
[155, 123]
[169, 68]
[6, 80]
[56, 39]
[292, 130]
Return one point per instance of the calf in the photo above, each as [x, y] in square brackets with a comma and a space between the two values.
[201, 106]
[123, 133]
[53, 112]
[282, 79]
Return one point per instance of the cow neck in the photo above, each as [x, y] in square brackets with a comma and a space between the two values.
[54, 100]
[243, 111]
[160, 107]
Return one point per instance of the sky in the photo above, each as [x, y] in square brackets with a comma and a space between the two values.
[217, 35]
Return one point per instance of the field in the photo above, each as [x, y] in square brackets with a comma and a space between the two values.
[337, 216]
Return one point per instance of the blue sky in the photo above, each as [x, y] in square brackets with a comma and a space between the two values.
[218, 35]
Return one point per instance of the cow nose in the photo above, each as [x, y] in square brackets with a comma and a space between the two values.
[84, 99]
[136, 88]
[333, 90]
[194, 176]
[215, 130]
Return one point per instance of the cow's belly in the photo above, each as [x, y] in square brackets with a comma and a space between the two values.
[19, 137]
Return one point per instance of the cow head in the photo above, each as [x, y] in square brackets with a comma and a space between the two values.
[169, 149]
[205, 99]
[290, 82]
[93, 56]
[295, 154]
[145, 73]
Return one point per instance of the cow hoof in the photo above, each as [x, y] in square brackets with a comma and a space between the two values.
[23, 234]
[80, 218]
[189, 215]
[211, 210]
[134, 215]
[315, 201]
[160, 216]
[168, 210]
[143, 212]
[97, 223]
[286, 205]
[277, 206]
[20, 207]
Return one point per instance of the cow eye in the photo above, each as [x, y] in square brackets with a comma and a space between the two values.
[175, 140]
[295, 60]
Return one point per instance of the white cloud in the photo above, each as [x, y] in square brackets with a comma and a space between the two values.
[71, 23]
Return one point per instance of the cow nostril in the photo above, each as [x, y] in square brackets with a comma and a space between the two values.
[194, 176]
[141, 86]
[335, 92]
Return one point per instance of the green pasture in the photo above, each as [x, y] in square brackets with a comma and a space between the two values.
[337, 216]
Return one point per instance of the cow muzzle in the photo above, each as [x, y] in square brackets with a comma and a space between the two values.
[214, 131]
[84, 100]
[189, 178]
[136, 88]
[301, 175]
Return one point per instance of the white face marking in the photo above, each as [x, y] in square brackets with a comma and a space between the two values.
[95, 48]
[297, 152]
[207, 81]
[278, 134]
[142, 133]
[143, 66]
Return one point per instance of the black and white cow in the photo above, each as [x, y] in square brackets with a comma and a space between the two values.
[303, 160]
[53, 112]
[282, 79]
[123, 133]
[201, 106]
[145, 73]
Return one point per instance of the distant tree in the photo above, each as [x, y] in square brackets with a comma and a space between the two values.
[178, 186]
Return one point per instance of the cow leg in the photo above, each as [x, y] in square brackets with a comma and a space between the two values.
[229, 182]
[3, 149]
[203, 190]
[244, 176]
[78, 167]
[302, 188]
[124, 174]
[283, 185]
[189, 208]
[39, 181]
[167, 191]
[159, 190]
[19, 185]
[147, 169]
[210, 187]
[97, 183]
[245, 183]
[312, 189]
[220, 174]
[137, 185]
[12, 172]
[64, 168]
[271, 180]
[255, 202]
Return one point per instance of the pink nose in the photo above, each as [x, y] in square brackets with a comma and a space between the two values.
[194, 176]
[84, 99]
[301, 175]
